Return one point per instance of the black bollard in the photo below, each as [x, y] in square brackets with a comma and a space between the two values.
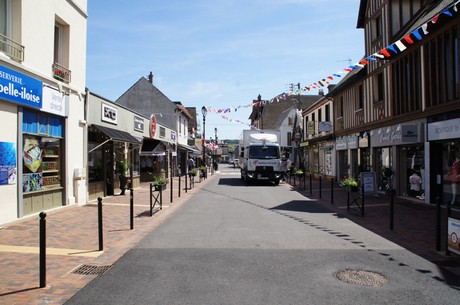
[304, 176]
[438, 224]
[131, 209]
[99, 218]
[171, 187]
[311, 191]
[186, 182]
[42, 250]
[151, 200]
[161, 198]
[332, 190]
[320, 188]
[179, 183]
[391, 209]
[362, 200]
[448, 209]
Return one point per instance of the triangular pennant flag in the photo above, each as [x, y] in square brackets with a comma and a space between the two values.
[363, 62]
[434, 19]
[385, 52]
[392, 48]
[424, 28]
[330, 77]
[400, 45]
[447, 12]
[417, 34]
[408, 38]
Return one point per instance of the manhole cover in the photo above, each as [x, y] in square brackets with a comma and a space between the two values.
[362, 277]
[91, 270]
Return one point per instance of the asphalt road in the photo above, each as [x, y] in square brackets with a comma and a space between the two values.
[263, 244]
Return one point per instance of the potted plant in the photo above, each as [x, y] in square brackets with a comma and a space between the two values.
[159, 183]
[203, 170]
[350, 184]
[192, 173]
[122, 168]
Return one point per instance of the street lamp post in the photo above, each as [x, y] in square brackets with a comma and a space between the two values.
[204, 111]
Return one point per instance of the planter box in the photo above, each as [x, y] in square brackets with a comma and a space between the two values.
[159, 187]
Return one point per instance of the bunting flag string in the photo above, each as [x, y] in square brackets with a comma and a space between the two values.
[384, 54]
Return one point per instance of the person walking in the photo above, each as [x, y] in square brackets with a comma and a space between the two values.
[190, 164]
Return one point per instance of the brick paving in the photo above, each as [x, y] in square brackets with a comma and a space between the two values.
[72, 241]
[72, 237]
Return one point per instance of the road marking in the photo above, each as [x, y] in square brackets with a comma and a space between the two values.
[51, 251]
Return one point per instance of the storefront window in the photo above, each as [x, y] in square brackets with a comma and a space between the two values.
[415, 171]
[95, 163]
[42, 136]
[384, 168]
[451, 165]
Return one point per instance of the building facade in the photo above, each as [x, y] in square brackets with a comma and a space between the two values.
[42, 97]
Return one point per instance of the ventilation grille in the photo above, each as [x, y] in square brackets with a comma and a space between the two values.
[91, 270]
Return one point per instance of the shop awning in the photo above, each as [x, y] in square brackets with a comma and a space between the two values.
[153, 148]
[191, 149]
[117, 135]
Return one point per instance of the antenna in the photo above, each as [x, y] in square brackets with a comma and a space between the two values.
[348, 59]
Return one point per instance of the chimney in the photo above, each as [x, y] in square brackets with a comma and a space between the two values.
[151, 77]
[321, 92]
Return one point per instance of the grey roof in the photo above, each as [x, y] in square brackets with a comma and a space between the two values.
[275, 111]
[144, 98]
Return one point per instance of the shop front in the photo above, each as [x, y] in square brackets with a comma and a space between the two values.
[444, 142]
[399, 159]
[32, 163]
[158, 153]
[347, 156]
[114, 141]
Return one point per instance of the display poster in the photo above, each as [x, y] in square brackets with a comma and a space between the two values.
[32, 160]
[453, 235]
[8, 168]
[368, 181]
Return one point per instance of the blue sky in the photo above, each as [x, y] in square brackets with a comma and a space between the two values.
[222, 53]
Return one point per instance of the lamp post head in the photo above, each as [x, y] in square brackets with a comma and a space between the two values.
[204, 111]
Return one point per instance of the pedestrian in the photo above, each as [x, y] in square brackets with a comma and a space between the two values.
[190, 164]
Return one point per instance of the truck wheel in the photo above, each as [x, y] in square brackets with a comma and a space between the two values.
[277, 182]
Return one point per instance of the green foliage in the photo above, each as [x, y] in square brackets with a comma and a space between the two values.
[159, 180]
[348, 182]
[122, 167]
[299, 172]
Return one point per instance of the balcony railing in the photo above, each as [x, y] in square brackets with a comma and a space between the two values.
[61, 73]
[11, 48]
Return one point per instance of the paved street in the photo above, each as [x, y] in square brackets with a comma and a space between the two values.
[263, 244]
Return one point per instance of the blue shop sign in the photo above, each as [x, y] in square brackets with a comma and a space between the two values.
[20, 88]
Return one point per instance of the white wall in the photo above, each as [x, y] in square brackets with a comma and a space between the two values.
[8, 193]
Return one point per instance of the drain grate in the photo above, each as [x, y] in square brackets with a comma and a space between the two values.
[362, 277]
[91, 270]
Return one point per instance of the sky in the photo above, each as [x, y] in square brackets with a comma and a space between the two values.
[219, 54]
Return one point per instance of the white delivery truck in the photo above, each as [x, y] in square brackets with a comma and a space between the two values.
[260, 156]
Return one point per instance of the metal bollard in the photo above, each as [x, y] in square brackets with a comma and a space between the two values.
[99, 218]
[42, 250]
[332, 190]
[311, 191]
[448, 210]
[186, 182]
[391, 209]
[362, 200]
[131, 209]
[180, 177]
[320, 188]
[438, 224]
[171, 196]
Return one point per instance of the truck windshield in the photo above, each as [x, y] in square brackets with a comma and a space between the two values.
[264, 152]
